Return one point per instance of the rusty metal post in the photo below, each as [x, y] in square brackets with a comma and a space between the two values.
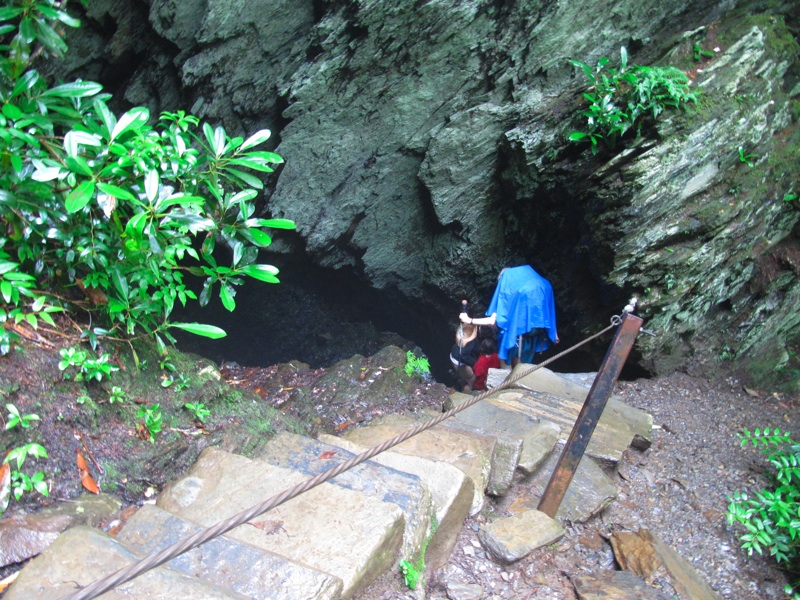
[590, 413]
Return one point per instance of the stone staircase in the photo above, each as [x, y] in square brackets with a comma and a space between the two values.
[335, 539]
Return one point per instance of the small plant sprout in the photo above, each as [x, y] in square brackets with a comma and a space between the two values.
[746, 158]
[201, 413]
[15, 418]
[152, 421]
[699, 53]
[413, 572]
[117, 395]
[87, 368]
[98, 368]
[22, 483]
[182, 383]
[72, 357]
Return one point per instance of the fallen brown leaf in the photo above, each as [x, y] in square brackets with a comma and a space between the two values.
[95, 296]
[86, 479]
[142, 432]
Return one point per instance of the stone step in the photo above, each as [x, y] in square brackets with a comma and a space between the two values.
[312, 457]
[451, 492]
[81, 555]
[338, 531]
[472, 454]
[547, 396]
[590, 491]
[538, 437]
[249, 571]
[505, 455]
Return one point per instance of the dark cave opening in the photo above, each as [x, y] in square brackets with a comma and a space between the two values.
[319, 316]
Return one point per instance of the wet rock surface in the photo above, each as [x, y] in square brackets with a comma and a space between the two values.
[426, 148]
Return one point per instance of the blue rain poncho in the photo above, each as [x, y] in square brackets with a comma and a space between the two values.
[523, 301]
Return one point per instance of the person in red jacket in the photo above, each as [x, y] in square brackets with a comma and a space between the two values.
[488, 358]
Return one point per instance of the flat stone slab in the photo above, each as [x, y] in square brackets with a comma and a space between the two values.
[512, 538]
[451, 491]
[252, 572]
[329, 528]
[506, 450]
[538, 436]
[567, 387]
[82, 555]
[471, 454]
[312, 457]
[550, 397]
[24, 536]
[614, 585]
[643, 553]
[590, 491]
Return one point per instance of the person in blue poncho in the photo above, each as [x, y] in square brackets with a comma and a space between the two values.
[524, 310]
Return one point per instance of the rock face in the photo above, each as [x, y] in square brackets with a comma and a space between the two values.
[425, 147]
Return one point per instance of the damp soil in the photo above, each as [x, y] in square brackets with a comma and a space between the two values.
[678, 489]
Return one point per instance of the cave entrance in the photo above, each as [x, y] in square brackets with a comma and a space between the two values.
[319, 316]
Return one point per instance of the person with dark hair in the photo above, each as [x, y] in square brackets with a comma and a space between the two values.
[463, 355]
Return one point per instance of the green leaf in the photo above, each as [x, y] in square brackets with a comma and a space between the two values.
[135, 225]
[209, 331]
[246, 178]
[278, 223]
[261, 272]
[12, 111]
[74, 139]
[24, 83]
[10, 12]
[79, 197]
[115, 191]
[106, 116]
[78, 165]
[257, 138]
[135, 118]
[151, 185]
[6, 290]
[226, 296]
[251, 164]
[77, 89]
[258, 237]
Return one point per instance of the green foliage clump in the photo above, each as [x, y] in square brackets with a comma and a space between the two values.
[88, 368]
[153, 421]
[413, 572]
[14, 480]
[119, 209]
[620, 98]
[416, 364]
[772, 516]
[201, 413]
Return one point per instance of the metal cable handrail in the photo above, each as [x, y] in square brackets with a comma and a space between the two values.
[154, 560]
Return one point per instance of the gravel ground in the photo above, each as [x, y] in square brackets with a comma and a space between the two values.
[677, 489]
